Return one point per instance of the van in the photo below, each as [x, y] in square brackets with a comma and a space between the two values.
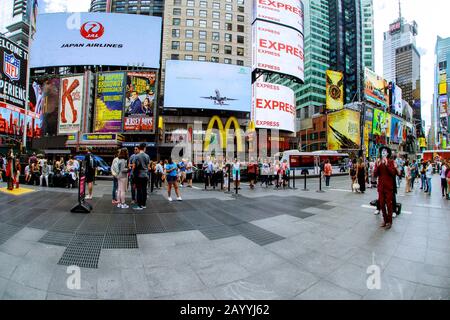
[103, 168]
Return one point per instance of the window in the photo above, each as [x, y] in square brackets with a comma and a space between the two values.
[203, 13]
[240, 18]
[227, 61]
[202, 47]
[240, 51]
[176, 21]
[228, 37]
[202, 24]
[177, 2]
[190, 3]
[240, 39]
[174, 56]
[228, 7]
[188, 57]
[175, 45]
[216, 36]
[215, 48]
[189, 22]
[228, 50]
[216, 25]
[190, 12]
[216, 15]
[228, 16]
[201, 58]
[240, 28]
[176, 11]
[188, 46]
[241, 9]
[202, 35]
[240, 2]
[239, 62]
[214, 59]
[216, 5]
[189, 33]
[175, 33]
[203, 4]
[229, 26]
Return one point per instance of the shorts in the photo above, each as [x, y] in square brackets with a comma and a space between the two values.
[89, 178]
[238, 176]
[189, 176]
[252, 176]
[171, 179]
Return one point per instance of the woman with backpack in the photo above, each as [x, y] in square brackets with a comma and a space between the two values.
[122, 178]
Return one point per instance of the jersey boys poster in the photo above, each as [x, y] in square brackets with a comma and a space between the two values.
[139, 115]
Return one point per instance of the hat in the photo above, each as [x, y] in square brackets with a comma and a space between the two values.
[388, 150]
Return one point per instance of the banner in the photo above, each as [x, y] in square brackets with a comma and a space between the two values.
[396, 130]
[379, 120]
[335, 90]
[386, 127]
[375, 89]
[443, 105]
[344, 130]
[285, 12]
[139, 113]
[12, 120]
[396, 100]
[109, 102]
[367, 133]
[71, 104]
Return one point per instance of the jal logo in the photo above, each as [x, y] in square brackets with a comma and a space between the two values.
[92, 30]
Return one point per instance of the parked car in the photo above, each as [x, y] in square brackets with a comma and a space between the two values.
[102, 167]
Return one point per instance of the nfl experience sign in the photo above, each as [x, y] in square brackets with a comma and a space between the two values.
[71, 104]
[278, 49]
[273, 107]
[285, 12]
[13, 73]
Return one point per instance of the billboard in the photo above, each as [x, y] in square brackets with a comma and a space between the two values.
[443, 105]
[207, 85]
[13, 73]
[284, 12]
[278, 49]
[109, 102]
[379, 121]
[442, 88]
[139, 113]
[64, 39]
[396, 100]
[386, 126]
[375, 90]
[50, 102]
[396, 130]
[344, 130]
[71, 104]
[12, 119]
[335, 90]
[367, 132]
[273, 107]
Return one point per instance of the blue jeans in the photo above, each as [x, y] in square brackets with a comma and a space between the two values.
[423, 181]
[429, 185]
[114, 190]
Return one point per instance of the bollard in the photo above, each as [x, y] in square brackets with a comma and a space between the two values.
[237, 187]
[304, 175]
[229, 178]
[293, 181]
[320, 182]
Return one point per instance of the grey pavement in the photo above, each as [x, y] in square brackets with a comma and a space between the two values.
[262, 244]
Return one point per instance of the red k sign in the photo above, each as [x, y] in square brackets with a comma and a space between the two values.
[92, 30]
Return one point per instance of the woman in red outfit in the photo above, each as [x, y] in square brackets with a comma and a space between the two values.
[386, 171]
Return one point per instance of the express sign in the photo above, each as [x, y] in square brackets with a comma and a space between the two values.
[284, 12]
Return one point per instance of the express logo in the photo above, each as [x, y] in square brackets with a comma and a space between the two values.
[92, 30]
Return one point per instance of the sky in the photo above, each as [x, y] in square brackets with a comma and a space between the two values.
[431, 17]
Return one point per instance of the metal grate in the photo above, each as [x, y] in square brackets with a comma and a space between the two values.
[175, 222]
[146, 224]
[224, 217]
[120, 241]
[57, 238]
[256, 234]
[45, 221]
[25, 218]
[219, 232]
[68, 223]
[7, 231]
[83, 251]
[94, 224]
[122, 224]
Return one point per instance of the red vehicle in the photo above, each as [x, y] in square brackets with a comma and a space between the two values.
[436, 155]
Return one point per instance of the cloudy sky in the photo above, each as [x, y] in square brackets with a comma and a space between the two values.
[431, 16]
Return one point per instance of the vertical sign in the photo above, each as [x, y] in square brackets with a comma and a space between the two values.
[71, 105]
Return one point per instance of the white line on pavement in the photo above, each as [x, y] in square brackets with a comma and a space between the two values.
[341, 190]
[367, 206]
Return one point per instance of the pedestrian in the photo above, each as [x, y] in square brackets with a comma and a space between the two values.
[443, 173]
[152, 173]
[9, 170]
[328, 170]
[447, 174]
[386, 172]
[352, 173]
[429, 177]
[189, 171]
[276, 173]
[36, 173]
[115, 173]
[2, 167]
[141, 167]
[236, 174]
[408, 177]
[423, 177]
[361, 175]
[207, 171]
[27, 174]
[90, 171]
[414, 173]
[285, 174]
[159, 173]
[252, 170]
[265, 172]
[182, 170]
[17, 170]
[44, 173]
[171, 169]
[122, 178]
[131, 175]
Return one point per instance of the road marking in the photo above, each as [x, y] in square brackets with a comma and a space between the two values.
[370, 207]
[429, 206]
[406, 212]
[341, 190]
[197, 188]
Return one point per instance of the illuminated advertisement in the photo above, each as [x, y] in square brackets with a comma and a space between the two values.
[386, 127]
[50, 103]
[396, 100]
[367, 132]
[375, 90]
[278, 49]
[396, 130]
[139, 113]
[207, 85]
[335, 90]
[66, 39]
[344, 130]
[273, 107]
[285, 12]
[443, 106]
[379, 122]
[71, 104]
[109, 102]
[12, 119]
[13, 73]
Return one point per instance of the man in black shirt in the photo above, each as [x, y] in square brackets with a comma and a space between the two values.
[90, 172]
[141, 167]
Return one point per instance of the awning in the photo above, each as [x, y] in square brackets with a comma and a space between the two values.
[56, 151]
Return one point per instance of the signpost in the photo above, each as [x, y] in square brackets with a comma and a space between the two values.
[82, 206]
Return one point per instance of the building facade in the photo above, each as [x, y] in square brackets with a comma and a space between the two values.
[14, 20]
[368, 34]
[144, 7]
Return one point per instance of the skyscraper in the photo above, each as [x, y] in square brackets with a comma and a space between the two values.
[145, 7]
[14, 20]
[368, 34]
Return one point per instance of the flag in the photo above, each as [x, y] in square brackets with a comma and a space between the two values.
[33, 17]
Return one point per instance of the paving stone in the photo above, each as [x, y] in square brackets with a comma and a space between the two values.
[197, 295]
[17, 291]
[325, 290]
[109, 285]
[135, 284]
[8, 263]
[437, 258]
[244, 290]
[220, 272]
[317, 263]
[392, 288]
[33, 274]
[29, 234]
[411, 253]
[120, 258]
[88, 285]
[350, 277]
[17, 247]
[431, 293]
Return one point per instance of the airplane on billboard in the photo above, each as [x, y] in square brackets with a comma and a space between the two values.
[218, 99]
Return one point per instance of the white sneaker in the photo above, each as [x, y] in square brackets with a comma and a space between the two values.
[170, 199]
[125, 206]
[119, 205]
[179, 199]
[377, 212]
[394, 215]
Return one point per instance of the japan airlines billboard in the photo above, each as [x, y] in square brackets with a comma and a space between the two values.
[273, 107]
[285, 12]
[278, 49]
[105, 39]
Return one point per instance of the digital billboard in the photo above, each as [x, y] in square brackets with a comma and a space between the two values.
[105, 39]
[207, 85]
[396, 100]
[335, 90]
[273, 107]
[13, 73]
[379, 122]
[71, 104]
[375, 90]
[49, 105]
[443, 106]
[109, 102]
[344, 131]
[367, 132]
[12, 119]
[278, 49]
[396, 130]
[139, 113]
[285, 12]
